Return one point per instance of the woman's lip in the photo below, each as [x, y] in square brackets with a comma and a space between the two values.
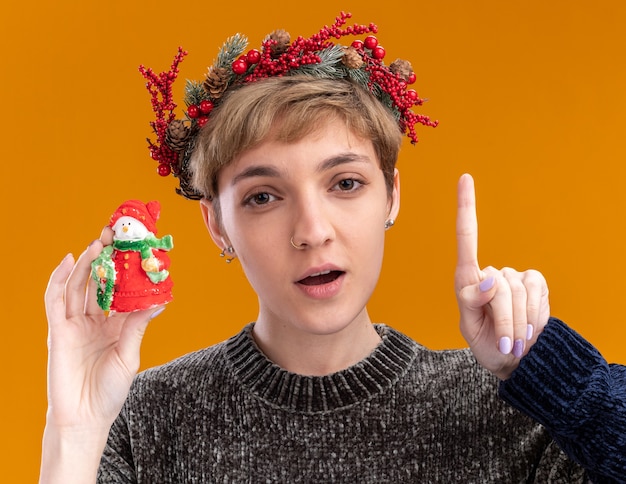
[322, 269]
[320, 278]
[325, 290]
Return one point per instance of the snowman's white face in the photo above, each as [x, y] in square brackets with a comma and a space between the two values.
[129, 228]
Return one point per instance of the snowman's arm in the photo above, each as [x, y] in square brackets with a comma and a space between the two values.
[103, 267]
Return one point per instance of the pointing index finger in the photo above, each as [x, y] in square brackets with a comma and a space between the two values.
[467, 269]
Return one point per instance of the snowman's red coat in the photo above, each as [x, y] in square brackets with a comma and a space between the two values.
[133, 289]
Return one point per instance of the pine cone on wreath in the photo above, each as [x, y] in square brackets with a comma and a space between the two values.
[177, 135]
[186, 188]
[351, 58]
[402, 68]
[216, 82]
[283, 40]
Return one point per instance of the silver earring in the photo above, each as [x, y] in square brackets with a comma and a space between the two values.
[295, 246]
[389, 223]
[227, 250]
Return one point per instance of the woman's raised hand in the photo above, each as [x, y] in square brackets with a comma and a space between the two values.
[92, 360]
[501, 311]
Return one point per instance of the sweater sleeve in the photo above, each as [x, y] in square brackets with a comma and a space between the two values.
[116, 464]
[567, 386]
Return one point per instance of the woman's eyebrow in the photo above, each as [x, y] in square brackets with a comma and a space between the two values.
[270, 171]
[255, 170]
[341, 159]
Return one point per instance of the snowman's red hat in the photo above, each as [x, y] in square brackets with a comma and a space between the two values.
[146, 213]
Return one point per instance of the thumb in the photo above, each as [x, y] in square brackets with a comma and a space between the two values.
[471, 300]
[132, 335]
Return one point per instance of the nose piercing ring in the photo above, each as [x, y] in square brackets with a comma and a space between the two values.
[293, 244]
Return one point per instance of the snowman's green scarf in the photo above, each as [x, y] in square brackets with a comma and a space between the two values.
[105, 261]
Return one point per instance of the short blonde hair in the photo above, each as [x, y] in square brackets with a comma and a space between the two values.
[287, 109]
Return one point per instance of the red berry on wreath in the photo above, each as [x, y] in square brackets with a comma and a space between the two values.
[253, 56]
[193, 111]
[206, 106]
[412, 94]
[378, 52]
[412, 78]
[357, 44]
[202, 120]
[370, 42]
[164, 169]
[240, 66]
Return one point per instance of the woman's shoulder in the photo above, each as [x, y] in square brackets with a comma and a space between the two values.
[454, 368]
[200, 367]
[453, 357]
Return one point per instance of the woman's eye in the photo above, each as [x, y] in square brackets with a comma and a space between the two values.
[348, 184]
[260, 198]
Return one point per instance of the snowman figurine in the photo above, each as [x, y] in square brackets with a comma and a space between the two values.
[132, 273]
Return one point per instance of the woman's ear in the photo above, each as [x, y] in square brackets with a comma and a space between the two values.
[211, 220]
[394, 201]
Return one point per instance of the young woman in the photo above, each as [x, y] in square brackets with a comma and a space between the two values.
[296, 179]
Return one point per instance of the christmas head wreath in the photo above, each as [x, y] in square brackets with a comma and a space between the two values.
[317, 56]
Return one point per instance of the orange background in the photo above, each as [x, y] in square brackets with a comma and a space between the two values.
[532, 101]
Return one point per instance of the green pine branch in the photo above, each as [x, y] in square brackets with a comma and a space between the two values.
[194, 93]
[231, 50]
[330, 65]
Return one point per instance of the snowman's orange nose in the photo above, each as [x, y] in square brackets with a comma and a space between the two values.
[124, 229]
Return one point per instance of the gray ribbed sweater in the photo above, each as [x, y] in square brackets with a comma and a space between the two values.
[404, 414]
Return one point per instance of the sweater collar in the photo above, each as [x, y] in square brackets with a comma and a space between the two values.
[312, 394]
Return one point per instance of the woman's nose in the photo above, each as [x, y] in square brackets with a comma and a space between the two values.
[312, 226]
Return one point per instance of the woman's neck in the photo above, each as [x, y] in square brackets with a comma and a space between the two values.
[306, 353]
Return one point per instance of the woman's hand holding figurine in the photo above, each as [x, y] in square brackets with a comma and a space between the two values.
[93, 358]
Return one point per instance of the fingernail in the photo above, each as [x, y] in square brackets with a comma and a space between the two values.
[487, 284]
[157, 312]
[529, 332]
[518, 348]
[504, 345]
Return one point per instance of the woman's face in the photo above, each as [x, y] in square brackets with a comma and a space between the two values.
[326, 191]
